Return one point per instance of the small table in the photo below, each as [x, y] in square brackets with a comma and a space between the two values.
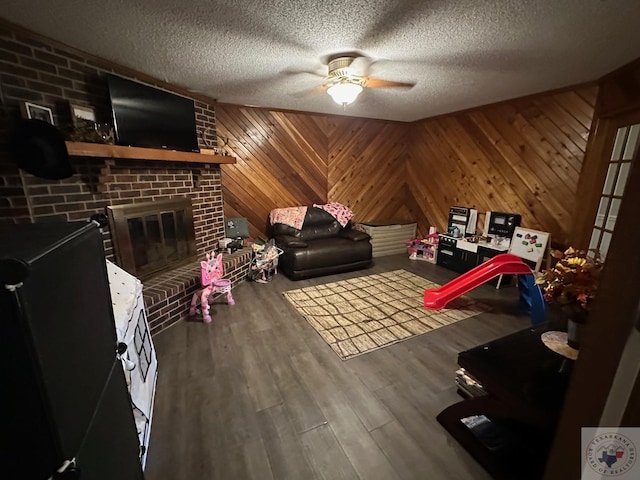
[557, 342]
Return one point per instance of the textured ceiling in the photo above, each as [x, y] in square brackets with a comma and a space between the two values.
[460, 53]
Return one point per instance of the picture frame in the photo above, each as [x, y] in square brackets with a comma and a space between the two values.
[37, 112]
[81, 114]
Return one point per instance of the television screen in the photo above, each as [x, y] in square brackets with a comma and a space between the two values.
[144, 116]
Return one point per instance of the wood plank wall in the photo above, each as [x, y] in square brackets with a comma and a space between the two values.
[286, 159]
[522, 156]
[367, 168]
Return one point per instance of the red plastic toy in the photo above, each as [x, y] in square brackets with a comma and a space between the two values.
[503, 264]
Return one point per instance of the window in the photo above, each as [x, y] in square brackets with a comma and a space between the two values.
[624, 150]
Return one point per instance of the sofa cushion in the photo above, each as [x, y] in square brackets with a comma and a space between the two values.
[355, 235]
[287, 241]
[317, 224]
[326, 252]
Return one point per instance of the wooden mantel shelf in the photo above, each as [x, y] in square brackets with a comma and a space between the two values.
[83, 149]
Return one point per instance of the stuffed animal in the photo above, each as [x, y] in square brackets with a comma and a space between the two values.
[211, 273]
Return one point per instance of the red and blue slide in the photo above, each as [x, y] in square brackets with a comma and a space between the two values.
[503, 264]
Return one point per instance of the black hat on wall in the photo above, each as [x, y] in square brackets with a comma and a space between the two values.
[39, 149]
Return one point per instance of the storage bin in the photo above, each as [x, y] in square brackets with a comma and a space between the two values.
[389, 238]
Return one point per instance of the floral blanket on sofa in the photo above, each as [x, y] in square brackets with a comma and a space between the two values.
[292, 216]
[340, 212]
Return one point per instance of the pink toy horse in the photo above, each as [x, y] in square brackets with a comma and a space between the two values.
[212, 282]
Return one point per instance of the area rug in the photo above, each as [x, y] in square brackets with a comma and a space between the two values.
[363, 314]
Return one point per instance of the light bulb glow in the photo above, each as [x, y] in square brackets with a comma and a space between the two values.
[344, 93]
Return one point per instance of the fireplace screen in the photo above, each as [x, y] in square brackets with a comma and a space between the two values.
[153, 236]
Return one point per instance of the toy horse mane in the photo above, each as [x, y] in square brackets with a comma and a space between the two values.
[211, 270]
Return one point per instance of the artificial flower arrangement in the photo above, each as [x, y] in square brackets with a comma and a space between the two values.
[572, 282]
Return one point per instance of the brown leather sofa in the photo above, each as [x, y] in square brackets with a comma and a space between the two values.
[321, 247]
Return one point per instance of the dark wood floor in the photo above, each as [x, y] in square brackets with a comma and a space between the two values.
[257, 394]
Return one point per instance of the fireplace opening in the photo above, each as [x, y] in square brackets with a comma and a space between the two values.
[152, 237]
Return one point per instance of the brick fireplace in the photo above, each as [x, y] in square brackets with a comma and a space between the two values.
[99, 183]
[41, 71]
[151, 237]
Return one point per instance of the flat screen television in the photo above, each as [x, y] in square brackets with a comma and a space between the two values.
[145, 116]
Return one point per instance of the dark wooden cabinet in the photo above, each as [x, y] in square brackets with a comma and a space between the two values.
[525, 384]
[64, 392]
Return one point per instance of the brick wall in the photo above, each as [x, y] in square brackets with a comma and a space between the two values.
[40, 71]
[102, 182]
[168, 295]
[43, 72]
[135, 182]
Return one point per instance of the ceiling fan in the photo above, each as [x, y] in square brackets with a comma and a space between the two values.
[348, 76]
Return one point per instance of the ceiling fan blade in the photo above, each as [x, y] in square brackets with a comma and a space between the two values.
[315, 73]
[310, 91]
[379, 83]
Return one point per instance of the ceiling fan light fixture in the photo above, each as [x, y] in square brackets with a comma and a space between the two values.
[344, 93]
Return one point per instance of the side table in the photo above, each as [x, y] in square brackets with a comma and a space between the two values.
[557, 342]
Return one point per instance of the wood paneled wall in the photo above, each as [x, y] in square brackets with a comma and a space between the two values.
[367, 168]
[286, 159]
[522, 156]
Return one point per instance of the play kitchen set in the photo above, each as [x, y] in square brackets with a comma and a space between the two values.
[460, 249]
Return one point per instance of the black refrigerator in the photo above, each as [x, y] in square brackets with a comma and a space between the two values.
[63, 391]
